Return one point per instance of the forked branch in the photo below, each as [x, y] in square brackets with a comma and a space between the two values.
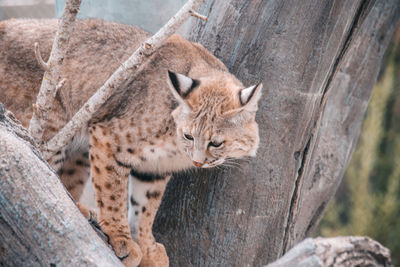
[127, 69]
[39, 58]
[52, 75]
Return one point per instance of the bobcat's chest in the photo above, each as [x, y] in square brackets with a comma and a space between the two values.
[161, 156]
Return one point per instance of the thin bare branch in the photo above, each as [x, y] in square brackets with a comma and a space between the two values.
[126, 70]
[39, 58]
[52, 69]
[197, 15]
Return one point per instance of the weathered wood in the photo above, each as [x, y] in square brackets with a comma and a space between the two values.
[318, 61]
[39, 223]
[336, 252]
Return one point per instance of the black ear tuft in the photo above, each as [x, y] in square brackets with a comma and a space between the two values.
[249, 96]
[174, 81]
[182, 84]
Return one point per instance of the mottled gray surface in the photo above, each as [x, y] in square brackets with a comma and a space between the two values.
[336, 252]
[318, 61]
[39, 223]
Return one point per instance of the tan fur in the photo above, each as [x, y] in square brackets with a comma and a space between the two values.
[142, 127]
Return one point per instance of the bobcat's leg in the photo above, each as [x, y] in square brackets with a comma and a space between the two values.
[110, 181]
[74, 173]
[146, 192]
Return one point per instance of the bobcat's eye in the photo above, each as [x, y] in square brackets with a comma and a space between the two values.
[188, 137]
[215, 144]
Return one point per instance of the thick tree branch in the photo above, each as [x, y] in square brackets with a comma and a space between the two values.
[52, 75]
[338, 251]
[39, 223]
[126, 70]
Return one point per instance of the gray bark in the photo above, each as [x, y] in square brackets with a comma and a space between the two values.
[338, 251]
[318, 61]
[39, 223]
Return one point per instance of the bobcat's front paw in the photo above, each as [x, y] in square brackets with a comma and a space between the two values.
[127, 250]
[156, 256]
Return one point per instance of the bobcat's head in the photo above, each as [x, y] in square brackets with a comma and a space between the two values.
[215, 119]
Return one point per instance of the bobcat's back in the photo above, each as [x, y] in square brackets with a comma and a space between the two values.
[95, 51]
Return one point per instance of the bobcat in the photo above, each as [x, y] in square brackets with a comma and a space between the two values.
[183, 110]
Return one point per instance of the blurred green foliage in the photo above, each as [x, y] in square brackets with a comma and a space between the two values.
[368, 200]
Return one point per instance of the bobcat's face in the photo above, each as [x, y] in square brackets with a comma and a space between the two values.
[215, 120]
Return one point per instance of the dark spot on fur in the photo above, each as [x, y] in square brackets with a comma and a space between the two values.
[112, 197]
[106, 223]
[116, 209]
[91, 157]
[154, 194]
[80, 182]
[118, 149]
[58, 153]
[107, 185]
[130, 150]
[152, 150]
[79, 162]
[60, 172]
[109, 208]
[109, 168]
[108, 145]
[86, 155]
[95, 141]
[70, 171]
[121, 164]
[143, 209]
[100, 203]
[97, 169]
[147, 177]
[98, 187]
[133, 202]
[59, 161]
[142, 158]
[136, 213]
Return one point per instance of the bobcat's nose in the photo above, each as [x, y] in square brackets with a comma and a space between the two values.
[197, 164]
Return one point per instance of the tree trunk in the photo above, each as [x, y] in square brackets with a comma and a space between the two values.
[318, 61]
[39, 223]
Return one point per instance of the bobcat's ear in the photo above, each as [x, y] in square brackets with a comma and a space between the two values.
[249, 97]
[181, 86]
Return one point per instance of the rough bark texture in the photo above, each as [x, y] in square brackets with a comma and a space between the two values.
[39, 223]
[318, 61]
[338, 251]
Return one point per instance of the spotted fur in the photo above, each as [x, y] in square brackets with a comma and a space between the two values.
[182, 109]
